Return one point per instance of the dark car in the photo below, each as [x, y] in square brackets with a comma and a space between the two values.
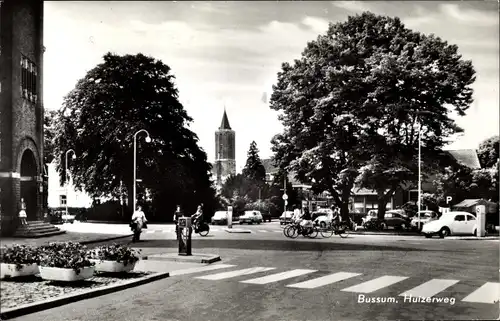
[266, 216]
[396, 220]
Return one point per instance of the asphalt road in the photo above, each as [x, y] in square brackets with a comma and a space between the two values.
[338, 269]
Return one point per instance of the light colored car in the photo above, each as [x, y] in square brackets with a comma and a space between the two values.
[323, 220]
[67, 218]
[220, 217]
[251, 217]
[451, 223]
[286, 217]
[425, 217]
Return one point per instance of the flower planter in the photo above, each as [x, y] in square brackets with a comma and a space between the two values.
[10, 271]
[112, 266]
[67, 275]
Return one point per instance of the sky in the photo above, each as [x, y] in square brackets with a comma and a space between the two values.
[228, 54]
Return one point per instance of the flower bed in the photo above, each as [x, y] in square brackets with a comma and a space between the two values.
[70, 258]
[34, 289]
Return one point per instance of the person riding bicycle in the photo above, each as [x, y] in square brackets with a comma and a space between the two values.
[306, 219]
[296, 215]
[195, 218]
[336, 216]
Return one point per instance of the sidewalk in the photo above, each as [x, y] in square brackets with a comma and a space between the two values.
[84, 238]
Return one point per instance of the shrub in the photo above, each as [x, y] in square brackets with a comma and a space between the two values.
[67, 255]
[20, 255]
[116, 253]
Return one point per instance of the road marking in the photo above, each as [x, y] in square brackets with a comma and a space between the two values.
[279, 276]
[324, 280]
[376, 284]
[430, 288]
[263, 231]
[232, 274]
[278, 231]
[487, 293]
[201, 269]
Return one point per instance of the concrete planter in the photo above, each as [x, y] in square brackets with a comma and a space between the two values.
[10, 271]
[112, 266]
[67, 275]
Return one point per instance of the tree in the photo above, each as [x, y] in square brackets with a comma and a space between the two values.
[99, 117]
[356, 94]
[488, 152]
[49, 133]
[254, 170]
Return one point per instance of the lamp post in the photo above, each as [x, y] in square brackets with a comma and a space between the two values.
[67, 176]
[148, 139]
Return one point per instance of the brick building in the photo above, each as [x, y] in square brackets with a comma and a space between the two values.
[225, 148]
[21, 110]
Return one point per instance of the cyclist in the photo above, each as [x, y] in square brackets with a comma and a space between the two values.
[336, 216]
[296, 215]
[196, 216]
[306, 219]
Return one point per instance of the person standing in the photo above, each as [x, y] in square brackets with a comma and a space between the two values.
[22, 213]
[138, 221]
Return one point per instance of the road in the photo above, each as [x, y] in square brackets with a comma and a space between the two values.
[264, 276]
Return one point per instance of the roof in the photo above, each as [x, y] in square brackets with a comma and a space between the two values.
[225, 121]
[472, 202]
[466, 157]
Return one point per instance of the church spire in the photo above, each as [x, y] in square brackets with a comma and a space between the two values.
[225, 121]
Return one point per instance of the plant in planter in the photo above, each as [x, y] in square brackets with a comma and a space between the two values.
[19, 260]
[114, 258]
[66, 261]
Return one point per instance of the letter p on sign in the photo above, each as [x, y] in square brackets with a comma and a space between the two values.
[448, 199]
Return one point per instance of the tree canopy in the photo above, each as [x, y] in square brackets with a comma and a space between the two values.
[99, 118]
[353, 101]
[254, 170]
[488, 152]
[49, 134]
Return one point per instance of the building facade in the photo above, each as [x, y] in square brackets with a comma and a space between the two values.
[21, 110]
[225, 151]
[62, 195]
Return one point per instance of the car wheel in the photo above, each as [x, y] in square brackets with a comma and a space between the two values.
[427, 236]
[475, 232]
[444, 232]
[383, 226]
[403, 226]
[322, 224]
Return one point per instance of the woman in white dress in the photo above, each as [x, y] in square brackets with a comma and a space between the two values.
[22, 213]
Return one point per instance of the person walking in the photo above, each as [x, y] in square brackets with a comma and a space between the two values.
[138, 222]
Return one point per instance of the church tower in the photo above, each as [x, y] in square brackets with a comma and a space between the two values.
[225, 162]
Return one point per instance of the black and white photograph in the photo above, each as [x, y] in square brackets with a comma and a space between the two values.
[249, 160]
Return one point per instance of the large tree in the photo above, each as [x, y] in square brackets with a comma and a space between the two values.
[116, 99]
[254, 170]
[488, 152]
[355, 98]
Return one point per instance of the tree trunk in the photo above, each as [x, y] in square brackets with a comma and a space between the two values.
[382, 199]
[344, 209]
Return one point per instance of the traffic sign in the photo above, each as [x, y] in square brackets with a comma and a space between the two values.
[285, 197]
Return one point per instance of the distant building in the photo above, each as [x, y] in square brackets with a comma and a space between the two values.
[60, 195]
[225, 150]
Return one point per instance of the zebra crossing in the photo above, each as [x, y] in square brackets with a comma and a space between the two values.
[172, 231]
[487, 293]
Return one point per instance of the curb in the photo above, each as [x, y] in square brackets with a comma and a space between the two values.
[70, 298]
[184, 259]
[106, 239]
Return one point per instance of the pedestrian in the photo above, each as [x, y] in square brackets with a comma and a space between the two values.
[22, 213]
[177, 214]
[138, 223]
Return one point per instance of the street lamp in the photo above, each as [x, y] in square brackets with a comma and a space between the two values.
[67, 176]
[148, 139]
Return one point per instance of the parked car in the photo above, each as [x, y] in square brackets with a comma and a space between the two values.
[325, 220]
[425, 217]
[266, 216]
[251, 217]
[392, 218]
[68, 218]
[286, 217]
[220, 217]
[451, 223]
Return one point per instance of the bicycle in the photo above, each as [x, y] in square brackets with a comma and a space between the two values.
[295, 229]
[341, 229]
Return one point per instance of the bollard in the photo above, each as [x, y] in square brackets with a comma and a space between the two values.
[481, 220]
[229, 216]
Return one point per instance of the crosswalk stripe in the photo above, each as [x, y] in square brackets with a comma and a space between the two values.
[430, 288]
[278, 276]
[201, 269]
[263, 231]
[376, 284]
[278, 231]
[324, 280]
[232, 274]
[487, 293]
